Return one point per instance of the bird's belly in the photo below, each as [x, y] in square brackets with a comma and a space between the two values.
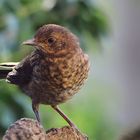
[55, 84]
[52, 91]
[48, 93]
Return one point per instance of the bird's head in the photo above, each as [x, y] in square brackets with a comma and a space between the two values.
[54, 40]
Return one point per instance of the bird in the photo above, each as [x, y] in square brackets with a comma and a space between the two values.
[53, 72]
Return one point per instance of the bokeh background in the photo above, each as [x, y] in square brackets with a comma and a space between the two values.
[109, 32]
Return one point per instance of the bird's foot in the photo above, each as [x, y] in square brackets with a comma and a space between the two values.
[54, 130]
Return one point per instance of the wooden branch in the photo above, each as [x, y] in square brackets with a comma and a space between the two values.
[9, 64]
[29, 129]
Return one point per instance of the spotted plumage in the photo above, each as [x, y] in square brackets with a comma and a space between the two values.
[54, 71]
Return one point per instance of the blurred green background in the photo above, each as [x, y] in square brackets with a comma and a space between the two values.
[19, 21]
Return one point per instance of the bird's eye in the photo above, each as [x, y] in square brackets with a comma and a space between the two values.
[50, 40]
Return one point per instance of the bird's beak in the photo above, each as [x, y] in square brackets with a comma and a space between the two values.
[29, 42]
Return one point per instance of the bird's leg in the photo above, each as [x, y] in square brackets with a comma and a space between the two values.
[57, 109]
[35, 108]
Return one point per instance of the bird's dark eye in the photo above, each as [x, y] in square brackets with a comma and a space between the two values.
[50, 40]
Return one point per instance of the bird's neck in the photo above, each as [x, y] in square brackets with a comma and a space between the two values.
[51, 57]
[58, 59]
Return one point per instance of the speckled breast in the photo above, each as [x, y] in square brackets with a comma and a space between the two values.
[55, 80]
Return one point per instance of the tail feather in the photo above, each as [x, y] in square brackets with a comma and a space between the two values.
[3, 73]
[5, 68]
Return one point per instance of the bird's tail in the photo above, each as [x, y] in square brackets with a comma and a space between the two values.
[5, 68]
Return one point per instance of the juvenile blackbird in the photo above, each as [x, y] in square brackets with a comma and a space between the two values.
[54, 71]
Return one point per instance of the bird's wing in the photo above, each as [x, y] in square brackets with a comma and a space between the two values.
[21, 73]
